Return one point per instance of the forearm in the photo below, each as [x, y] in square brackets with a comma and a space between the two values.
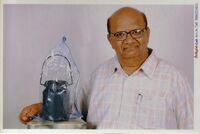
[37, 106]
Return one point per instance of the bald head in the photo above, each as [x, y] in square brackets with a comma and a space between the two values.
[126, 12]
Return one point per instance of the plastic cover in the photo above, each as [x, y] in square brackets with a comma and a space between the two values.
[60, 66]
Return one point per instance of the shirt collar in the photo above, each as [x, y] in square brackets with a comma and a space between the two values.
[116, 64]
[148, 67]
[150, 64]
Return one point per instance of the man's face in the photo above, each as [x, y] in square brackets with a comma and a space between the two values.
[130, 47]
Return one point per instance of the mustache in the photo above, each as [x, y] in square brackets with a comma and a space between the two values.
[127, 45]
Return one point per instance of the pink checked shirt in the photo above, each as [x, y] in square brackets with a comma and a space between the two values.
[156, 96]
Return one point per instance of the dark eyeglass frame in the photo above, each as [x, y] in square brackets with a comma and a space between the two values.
[137, 30]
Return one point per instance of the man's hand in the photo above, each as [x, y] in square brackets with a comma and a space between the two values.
[28, 112]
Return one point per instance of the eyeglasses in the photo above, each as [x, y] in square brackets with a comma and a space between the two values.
[122, 35]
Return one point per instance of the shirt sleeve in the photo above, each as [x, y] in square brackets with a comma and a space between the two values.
[82, 100]
[184, 104]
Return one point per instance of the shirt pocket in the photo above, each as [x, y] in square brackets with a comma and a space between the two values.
[151, 111]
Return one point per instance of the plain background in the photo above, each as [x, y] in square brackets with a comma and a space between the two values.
[31, 31]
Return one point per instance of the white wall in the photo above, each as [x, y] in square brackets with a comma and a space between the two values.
[30, 31]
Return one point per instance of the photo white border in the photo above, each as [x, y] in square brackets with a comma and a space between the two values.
[1, 66]
[144, 2]
[99, 2]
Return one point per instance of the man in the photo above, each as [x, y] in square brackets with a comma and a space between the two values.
[134, 89]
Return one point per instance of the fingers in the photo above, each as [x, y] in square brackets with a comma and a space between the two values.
[23, 115]
[26, 114]
[29, 112]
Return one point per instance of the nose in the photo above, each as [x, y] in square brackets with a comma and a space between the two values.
[129, 39]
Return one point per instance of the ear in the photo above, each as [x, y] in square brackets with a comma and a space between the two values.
[110, 39]
[148, 34]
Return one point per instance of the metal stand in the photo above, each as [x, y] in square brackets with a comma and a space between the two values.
[70, 124]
